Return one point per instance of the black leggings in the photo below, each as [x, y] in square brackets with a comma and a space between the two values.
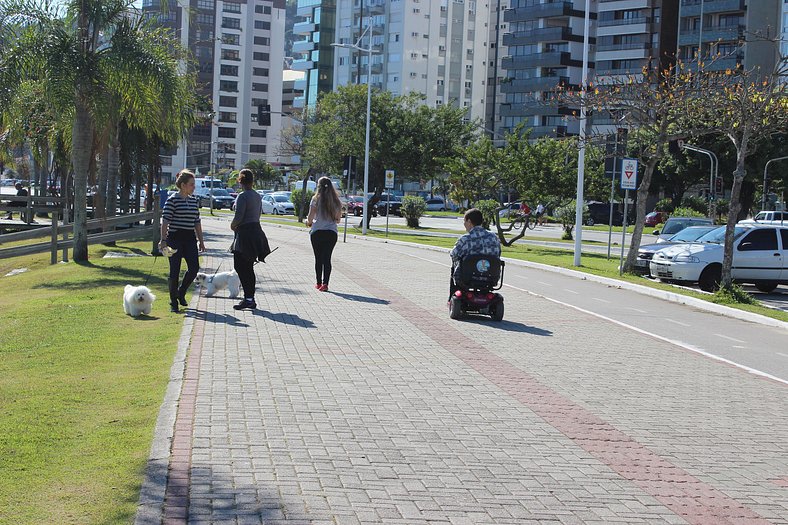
[245, 270]
[186, 243]
[323, 242]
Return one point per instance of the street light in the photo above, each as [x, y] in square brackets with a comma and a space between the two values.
[369, 51]
[763, 198]
[581, 156]
[713, 171]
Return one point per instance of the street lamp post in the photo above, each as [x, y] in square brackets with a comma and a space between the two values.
[369, 51]
[581, 157]
[712, 175]
[763, 198]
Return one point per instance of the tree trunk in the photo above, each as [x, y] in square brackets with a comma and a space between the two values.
[81, 149]
[100, 197]
[112, 175]
[733, 217]
[640, 214]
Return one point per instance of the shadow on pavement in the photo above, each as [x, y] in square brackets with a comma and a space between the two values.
[213, 317]
[359, 298]
[509, 326]
[285, 318]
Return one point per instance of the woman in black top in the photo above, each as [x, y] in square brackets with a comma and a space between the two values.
[180, 226]
[250, 242]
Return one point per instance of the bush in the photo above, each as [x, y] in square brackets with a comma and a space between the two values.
[665, 205]
[566, 216]
[300, 197]
[412, 209]
[489, 209]
[695, 203]
[687, 212]
[733, 295]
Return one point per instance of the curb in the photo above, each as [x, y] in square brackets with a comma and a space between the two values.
[150, 507]
[664, 295]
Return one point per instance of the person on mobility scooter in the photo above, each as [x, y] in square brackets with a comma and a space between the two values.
[477, 269]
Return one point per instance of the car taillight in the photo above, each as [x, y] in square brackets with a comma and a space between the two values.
[458, 293]
[469, 295]
[490, 296]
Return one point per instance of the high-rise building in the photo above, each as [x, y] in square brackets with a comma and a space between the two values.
[315, 26]
[436, 48]
[784, 38]
[495, 98]
[719, 27]
[238, 47]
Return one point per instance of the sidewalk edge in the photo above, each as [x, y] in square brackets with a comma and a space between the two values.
[150, 506]
[664, 295]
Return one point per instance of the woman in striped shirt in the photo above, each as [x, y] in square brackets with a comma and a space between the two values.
[180, 226]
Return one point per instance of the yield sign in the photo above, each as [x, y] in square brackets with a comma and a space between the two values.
[629, 179]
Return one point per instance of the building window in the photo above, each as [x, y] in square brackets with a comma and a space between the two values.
[262, 9]
[203, 18]
[260, 24]
[259, 102]
[260, 71]
[261, 41]
[257, 148]
[229, 102]
[259, 133]
[228, 85]
[228, 116]
[227, 133]
[230, 71]
[230, 54]
[231, 23]
[231, 7]
[265, 57]
[233, 40]
[204, 4]
[260, 87]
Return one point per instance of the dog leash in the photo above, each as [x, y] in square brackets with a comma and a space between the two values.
[151, 269]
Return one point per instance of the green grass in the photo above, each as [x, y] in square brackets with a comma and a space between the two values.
[80, 386]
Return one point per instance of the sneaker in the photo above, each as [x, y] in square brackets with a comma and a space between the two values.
[182, 300]
[174, 308]
[245, 305]
[318, 286]
[323, 288]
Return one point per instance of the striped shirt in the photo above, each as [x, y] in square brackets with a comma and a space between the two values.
[181, 213]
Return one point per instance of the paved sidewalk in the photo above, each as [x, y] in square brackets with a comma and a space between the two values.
[369, 405]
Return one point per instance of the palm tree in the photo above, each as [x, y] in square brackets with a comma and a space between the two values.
[95, 59]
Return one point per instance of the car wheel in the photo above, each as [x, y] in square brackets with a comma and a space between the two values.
[455, 308]
[710, 277]
[589, 221]
[766, 287]
[276, 211]
[497, 312]
[442, 209]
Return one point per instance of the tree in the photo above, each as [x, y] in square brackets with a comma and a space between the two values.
[264, 174]
[473, 173]
[748, 107]
[90, 55]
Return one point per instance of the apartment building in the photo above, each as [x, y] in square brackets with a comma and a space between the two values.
[238, 48]
[314, 31]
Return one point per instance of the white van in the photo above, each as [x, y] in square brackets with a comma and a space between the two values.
[311, 185]
[768, 217]
[207, 183]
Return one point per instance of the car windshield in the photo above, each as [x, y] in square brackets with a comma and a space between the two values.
[220, 193]
[717, 236]
[281, 198]
[357, 199]
[676, 226]
[691, 234]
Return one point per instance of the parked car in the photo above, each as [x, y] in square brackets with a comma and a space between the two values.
[394, 205]
[646, 252]
[768, 217]
[599, 213]
[760, 253]
[436, 204]
[278, 204]
[655, 217]
[221, 199]
[675, 224]
[355, 206]
[509, 210]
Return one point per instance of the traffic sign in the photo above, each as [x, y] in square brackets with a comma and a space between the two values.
[629, 174]
[718, 186]
[389, 179]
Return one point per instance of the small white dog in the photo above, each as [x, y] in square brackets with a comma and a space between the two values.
[220, 281]
[137, 300]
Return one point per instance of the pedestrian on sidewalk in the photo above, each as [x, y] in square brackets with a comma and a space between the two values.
[325, 211]
[250, 243]
[20, 192]
[181, 230]
[477, 241]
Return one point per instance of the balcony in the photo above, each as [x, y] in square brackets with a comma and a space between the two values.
[546, 10]
[548, 131]
[377, 68]
[623, 47]
[299, 85]
[691, 8]
[299, 102]
[533, 109]
[304, 46]
[549, 59]
[375, 7]
[302, 65]
[713, 34]
[304, 28]
[545, 34]
[528, 85]
[624, 22]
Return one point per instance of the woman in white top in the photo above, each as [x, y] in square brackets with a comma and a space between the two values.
[325, 211]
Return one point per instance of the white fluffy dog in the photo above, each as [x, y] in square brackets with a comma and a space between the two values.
[220, 281]
[137, 300]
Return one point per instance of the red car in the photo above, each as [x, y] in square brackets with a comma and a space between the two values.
[355, 206]
[655, 217]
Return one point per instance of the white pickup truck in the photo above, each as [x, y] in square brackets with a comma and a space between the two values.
[768, 217]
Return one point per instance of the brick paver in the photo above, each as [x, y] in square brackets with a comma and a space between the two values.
[369, 405]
